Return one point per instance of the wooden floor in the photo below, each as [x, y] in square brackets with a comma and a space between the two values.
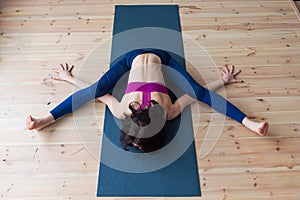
[260, 37]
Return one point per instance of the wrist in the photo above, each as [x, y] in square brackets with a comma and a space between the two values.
[70, 79]
[224, 82]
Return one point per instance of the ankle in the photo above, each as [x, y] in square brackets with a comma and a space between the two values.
[246, 121]
[250, 124]
[49, 118]
[45, 121]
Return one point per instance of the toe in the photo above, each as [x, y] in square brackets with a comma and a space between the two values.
[266, 128]
[28, 120]
[263, 129]
[30, 123]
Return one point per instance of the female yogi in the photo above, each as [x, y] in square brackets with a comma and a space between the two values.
[145, 96]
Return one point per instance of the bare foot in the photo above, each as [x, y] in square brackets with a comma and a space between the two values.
[263, 128]
[259, 128]
[38, 123]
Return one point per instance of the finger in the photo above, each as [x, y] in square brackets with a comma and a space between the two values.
[28, 119]
[237, 73]
[67, 66]
[56, 71]
[70, 70]
[226, 69]
[55, 78]
[232, 69]
[222, 71]
[237, 81]
[62, 67]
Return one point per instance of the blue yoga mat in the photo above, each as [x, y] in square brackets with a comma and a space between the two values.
[172, 170]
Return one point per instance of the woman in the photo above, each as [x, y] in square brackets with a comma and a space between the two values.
[146, 94]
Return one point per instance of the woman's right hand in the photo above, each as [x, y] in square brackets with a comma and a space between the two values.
[63, 74]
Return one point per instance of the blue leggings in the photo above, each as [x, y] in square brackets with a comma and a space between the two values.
[122, 65]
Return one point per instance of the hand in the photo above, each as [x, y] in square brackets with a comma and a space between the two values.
[229, 75]
[63, 74]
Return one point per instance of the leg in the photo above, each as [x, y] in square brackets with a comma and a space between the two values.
[104, 85]
[211, 98]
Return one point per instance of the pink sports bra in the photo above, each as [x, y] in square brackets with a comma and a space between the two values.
[146, 88]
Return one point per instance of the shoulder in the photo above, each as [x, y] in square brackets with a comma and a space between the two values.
[173, 110]
[118, 109]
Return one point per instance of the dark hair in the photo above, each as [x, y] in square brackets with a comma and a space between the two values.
[143, 122]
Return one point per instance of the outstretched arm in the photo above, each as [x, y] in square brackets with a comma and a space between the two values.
[65, 74]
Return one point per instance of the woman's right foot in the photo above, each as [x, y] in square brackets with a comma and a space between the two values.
[38, 123]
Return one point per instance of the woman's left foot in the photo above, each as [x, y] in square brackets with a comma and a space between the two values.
[259, 128]
[263, 128]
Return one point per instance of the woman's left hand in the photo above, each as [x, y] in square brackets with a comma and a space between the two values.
[228, 75]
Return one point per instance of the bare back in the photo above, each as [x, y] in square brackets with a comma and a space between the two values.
[146, 68]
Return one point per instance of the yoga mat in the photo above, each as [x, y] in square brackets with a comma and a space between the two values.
[165, 172]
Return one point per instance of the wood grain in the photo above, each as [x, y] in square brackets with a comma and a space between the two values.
[262, 38]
